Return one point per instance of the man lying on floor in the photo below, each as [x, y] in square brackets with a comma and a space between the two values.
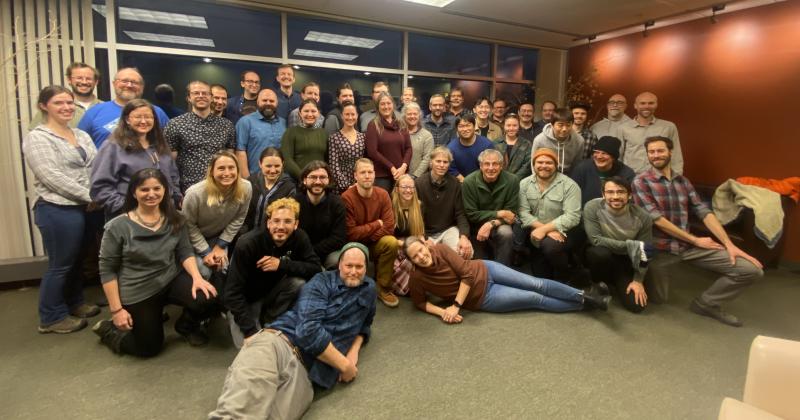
[271, 376]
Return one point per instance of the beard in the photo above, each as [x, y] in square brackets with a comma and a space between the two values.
[268, 111]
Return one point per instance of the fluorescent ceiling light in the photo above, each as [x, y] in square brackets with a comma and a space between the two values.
[170, 39]
[347, 40]
[155, 16]
[434, 3]
[324, 54]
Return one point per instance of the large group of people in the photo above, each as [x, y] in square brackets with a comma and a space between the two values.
[259, 208]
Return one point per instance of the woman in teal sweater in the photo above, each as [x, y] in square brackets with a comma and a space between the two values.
[304, 143]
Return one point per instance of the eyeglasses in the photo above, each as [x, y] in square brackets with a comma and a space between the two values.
[406, 187]
[616, 103]
[129, 82]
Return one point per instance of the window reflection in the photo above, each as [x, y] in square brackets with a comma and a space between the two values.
[446, 55]
[516, 63]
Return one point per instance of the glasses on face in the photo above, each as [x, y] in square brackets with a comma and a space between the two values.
[252, 82]
[199, 93]
[406, 187]
[130, 82]
[616, 103]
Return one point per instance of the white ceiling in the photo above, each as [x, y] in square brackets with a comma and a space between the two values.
[541, 23]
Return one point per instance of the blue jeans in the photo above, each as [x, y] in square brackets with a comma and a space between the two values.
[62, 229]
[509, 290]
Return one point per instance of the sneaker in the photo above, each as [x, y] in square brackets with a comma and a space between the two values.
[388, 298]
[714, 312]
[65, 326]
[103, 327]
[85, 310]
[109, 334]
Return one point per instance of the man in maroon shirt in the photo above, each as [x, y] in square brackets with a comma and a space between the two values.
[370, 220]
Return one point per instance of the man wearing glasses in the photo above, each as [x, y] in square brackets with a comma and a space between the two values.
[244, 104]
[197, 135]
[322, 215]
[610, 125]
[101, 120]
[82, 79]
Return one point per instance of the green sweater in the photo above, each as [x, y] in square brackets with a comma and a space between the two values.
[301, 145]
[620, 232]
[482, 201]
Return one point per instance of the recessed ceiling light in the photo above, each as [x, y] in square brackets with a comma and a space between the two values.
[347, 40]
[170, 39]
[410, 77]
[155, 16]
[206, 60]
[366, 73]
[296, 67]
[324, 54]
[434, 3]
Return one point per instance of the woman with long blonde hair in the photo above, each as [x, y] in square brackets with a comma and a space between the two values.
[408, 222]
[215, 209]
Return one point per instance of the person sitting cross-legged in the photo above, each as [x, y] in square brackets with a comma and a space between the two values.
[486, 285]
[318, 342]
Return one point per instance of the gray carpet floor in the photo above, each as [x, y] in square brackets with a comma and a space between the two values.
[666, 363]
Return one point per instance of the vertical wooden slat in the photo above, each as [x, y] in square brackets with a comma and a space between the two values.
[63, 31]
[28, 81]
[57, 75]
[75, 28]
[111, 36]
[87, 40]
[42, 44]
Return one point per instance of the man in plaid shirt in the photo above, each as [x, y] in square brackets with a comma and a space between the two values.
[668, 197]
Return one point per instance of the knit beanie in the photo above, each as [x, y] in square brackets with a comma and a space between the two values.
[544, 152]
[358, 245]
[610, 145]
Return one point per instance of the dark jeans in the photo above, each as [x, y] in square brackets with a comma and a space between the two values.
[62, 229]
[387, 183]
[616, 271]
[499, 247]
[147, 336]
[552, 258]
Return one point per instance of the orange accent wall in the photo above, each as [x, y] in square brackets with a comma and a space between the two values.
[732, 88]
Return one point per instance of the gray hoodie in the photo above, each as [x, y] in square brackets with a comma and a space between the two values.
[569, 151]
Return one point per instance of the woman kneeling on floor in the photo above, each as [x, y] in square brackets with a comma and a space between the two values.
[487, 285]
[140, 274]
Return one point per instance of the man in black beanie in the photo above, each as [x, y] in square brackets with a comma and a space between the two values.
[603, 164]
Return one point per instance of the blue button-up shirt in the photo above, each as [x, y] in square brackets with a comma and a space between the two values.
[326, 312]
[254, 133]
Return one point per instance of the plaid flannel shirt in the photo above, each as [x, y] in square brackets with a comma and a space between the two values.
[589, 141]
[671, 199]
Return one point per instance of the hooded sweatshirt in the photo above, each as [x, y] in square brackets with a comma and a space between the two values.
[568, 151]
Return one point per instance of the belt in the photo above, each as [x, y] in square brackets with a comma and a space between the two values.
[283, 336]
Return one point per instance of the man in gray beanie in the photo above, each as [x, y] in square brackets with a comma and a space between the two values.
[317, 341]
[604, 163]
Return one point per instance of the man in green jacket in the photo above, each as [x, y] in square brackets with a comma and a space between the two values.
[491, 203]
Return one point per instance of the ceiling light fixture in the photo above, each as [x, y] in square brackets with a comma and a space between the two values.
[206, 60]
[296, 67]
[170, 39]
[434, 3]
[647, 24]
[714, 9]
[410, 76]
[366, 73]
[324, 54]
[346, 40]
[155, 16]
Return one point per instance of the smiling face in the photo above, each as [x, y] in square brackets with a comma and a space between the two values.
[311, 92]
[267, 103]
[547, 111]
[482, 109]
[225, 172]
[491, 166]
[615, 195]
[511, 127]
[349, 116]
[59, 108]
[405, 188]
[544, 167]
[271, 167]
[281, 224]
[309, 113]
[141, 120]
[199, 96]
[561, 130]
[466, 130]
[436, 106]
[352, 267]
[386, 108]
[456, 99]
[602, 160]
[411, 117]
[579, 116]
[285, 77]
[408, 95]
[439, 165]
[419, 254]
[499, 109]
[219, 99]
[646, 104]
[616, 106]
[128, 85]
[149, 193]
[526, 114]
[316, 181]
[82, 81]
[251, 83]
[659, 154]
[345, 95]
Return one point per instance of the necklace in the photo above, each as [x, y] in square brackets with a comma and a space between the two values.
[149, 225]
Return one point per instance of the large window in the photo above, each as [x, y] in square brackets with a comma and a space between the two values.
[329, 81]
[516, 63]
[333, 42]
[445, 55]
[425, 87]
[514, 94]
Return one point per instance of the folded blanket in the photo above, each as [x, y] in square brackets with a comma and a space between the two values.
[787, 186]
[731, 197]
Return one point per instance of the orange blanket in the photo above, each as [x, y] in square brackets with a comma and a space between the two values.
[787, 186]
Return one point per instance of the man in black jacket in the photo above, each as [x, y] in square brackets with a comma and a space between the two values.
[322, 214]
[268, 269]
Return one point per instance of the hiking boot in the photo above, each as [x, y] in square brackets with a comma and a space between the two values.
[593, 298]
[388, 298]
[65, 326]
[109, 334]
[715, 312]
[85, 310]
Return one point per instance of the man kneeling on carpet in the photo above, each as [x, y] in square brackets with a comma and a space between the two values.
[487, 285]
[317, 341]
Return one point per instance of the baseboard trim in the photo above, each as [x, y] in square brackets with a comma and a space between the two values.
[14, 270]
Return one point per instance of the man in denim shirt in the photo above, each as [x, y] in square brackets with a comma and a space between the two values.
[272, 375]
